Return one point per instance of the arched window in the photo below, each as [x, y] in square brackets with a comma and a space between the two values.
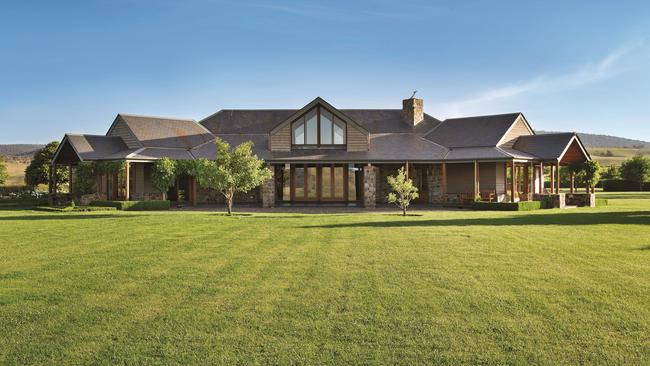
[318, 127]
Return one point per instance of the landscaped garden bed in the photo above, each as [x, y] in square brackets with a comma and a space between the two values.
[153, 205]
[74, 208]
[508, 206]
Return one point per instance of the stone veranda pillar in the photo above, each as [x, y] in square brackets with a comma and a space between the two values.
[369, 186]
[267, 189]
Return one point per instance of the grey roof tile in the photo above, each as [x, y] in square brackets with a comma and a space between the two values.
[545, 146]
[472, 131]
[166, 132]
[94, 147]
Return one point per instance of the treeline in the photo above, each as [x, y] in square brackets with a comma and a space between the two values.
[632, 175]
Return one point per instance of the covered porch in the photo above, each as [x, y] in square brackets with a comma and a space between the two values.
[119, 177]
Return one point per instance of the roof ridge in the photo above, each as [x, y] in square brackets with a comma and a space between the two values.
[484, 115]
[86, 134]
[158, 117]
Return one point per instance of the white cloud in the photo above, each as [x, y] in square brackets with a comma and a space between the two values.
[589, 73]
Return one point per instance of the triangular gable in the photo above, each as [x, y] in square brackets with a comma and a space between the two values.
[66, 152]
[120, 128]
[573, 148]
[513, 132]
[318, 101]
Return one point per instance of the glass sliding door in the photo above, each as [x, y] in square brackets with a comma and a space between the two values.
[326, 183]
[339, 183]
[312, 185]
[321, 183]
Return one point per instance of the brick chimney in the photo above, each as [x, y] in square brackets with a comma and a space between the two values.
[413, 110]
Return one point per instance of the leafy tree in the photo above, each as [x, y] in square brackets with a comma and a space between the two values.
[611, 172]
[84, 179]
[163, 175]
[38, 171]
[404, 190]
[636, 169]
[233, 170]
[591, 173]
[3, 170]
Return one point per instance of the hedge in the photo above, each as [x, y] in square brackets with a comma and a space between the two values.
[622, 185]
[74, 208]
[507, 206]
[135, 205]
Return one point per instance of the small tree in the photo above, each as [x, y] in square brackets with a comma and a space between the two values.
[404, 190]
[233, 170]
[636, 169]
[591, 173]
[163, 175]
[3, 170]
[38, 170]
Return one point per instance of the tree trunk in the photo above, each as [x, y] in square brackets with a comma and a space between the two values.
[230, 197]
[404, 211]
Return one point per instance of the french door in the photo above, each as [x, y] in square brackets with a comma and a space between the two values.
[319, 183]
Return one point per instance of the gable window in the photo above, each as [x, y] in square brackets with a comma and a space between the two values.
[318, 127]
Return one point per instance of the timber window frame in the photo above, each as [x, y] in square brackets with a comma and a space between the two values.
[318, 127]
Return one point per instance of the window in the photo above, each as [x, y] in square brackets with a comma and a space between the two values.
[318, 127]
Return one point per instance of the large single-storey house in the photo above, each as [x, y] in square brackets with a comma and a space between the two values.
[320, 154]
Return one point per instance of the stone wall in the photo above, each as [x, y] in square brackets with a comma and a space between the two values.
[581, 199]
[369, 186]
[434, 184]
[382, 174]
[268, 192]
[553, 200]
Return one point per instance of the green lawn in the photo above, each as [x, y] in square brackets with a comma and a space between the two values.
[543, 287]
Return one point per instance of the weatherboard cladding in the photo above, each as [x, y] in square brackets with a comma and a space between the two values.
[519, 128]
[121, 129]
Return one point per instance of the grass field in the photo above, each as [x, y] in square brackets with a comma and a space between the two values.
[608, 156]
[16, 170]
[545, 287]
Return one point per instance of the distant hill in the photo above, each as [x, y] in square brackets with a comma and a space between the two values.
[594, 140]
[19, 150]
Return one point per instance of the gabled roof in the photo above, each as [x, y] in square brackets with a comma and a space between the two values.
[164, 132]
[91, 147]
[318, 101]
[549, 146]
[472, 131]
[255, 121]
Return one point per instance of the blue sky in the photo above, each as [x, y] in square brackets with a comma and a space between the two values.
[72, 66]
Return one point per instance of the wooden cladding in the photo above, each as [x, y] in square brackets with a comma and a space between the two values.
[122, 130]
[357, 140]
[281, 139]
[519, 129]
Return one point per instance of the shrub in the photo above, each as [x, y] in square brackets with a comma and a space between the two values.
[20, 192]
[622, 185]
[507, 206]
[600, 202]
[74, 209]
[135, 205]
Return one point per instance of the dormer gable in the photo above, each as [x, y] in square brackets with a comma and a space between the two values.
[318, 125]
[520, 127]
[121, 129]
